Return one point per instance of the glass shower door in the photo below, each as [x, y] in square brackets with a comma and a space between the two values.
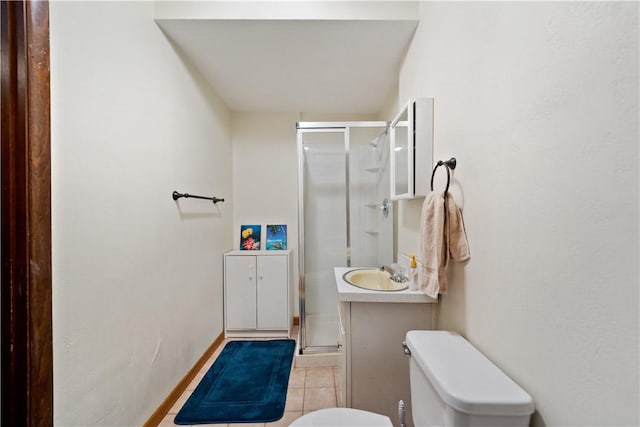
[323, 216]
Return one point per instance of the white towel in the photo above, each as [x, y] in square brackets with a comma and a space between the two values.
[442, 235]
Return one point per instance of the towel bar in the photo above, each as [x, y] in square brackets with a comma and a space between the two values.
[177, 195]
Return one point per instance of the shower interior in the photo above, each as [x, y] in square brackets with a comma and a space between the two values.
[343, 178]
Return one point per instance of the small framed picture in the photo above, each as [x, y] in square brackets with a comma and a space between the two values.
[276, 237]
[250, 237]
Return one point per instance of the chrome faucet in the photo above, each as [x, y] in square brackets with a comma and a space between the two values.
[396, 271]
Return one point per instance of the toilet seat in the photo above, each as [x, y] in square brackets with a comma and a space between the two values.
[342, 417]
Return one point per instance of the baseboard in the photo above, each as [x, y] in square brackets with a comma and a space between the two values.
[296, 320]
[159, 414]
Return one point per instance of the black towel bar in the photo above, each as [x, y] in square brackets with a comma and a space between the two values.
[177, 195]
[449, 165]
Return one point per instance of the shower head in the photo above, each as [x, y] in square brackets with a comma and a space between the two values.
[376, 140]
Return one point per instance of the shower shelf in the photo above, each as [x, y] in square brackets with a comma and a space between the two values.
[371, 231]
[372, 169]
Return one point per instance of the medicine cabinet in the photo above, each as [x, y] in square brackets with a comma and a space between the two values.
[411, 149]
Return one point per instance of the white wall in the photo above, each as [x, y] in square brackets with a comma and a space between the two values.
[265, 183]
[539, 103]
[137, 277]
[279, 10]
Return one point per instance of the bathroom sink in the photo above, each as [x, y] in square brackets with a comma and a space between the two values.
[373, 279]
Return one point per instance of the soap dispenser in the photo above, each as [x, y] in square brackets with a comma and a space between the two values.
[413, 274]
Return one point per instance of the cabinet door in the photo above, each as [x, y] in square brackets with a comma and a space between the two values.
[401, 154]
[272, 290]
[240, 288]
[411, 149]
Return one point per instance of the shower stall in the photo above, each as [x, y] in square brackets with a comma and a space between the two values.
[345, 217]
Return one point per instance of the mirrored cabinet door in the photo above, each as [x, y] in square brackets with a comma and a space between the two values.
[399, 136]
[411, 149]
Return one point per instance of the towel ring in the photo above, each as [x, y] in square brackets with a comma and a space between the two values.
[449, 165]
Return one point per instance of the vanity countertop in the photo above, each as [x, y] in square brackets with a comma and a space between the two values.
[349, 293]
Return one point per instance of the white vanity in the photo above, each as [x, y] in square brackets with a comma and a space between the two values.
[373, 324]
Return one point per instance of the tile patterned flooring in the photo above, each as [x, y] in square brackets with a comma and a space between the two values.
[309, 389]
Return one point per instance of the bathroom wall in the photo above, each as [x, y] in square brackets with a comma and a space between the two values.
[390, 107]
[137, 277]
[265, 183]
[539, 103]
[265, 173]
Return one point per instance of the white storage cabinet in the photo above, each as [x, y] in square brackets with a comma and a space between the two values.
[257, 298]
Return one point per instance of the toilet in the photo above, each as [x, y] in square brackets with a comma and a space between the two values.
[342, 417]
[452, 384]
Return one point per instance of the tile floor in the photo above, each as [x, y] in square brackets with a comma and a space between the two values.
[309, 389]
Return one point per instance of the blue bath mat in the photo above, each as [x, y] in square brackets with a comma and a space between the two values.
[246, 384]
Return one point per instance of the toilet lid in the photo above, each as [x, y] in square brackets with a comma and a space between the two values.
[342, 417]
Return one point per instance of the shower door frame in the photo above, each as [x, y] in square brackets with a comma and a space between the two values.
[321, 127]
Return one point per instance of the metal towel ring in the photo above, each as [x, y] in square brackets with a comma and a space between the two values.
[449, 165]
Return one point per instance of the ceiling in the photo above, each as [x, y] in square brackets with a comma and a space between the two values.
[308, 66]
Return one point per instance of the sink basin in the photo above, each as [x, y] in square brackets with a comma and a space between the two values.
[373, 279]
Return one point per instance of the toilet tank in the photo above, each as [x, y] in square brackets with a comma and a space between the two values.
[453, 384]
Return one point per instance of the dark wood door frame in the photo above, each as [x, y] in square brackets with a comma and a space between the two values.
[26, 341]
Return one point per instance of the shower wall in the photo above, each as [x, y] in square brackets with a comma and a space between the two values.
[371, 231]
